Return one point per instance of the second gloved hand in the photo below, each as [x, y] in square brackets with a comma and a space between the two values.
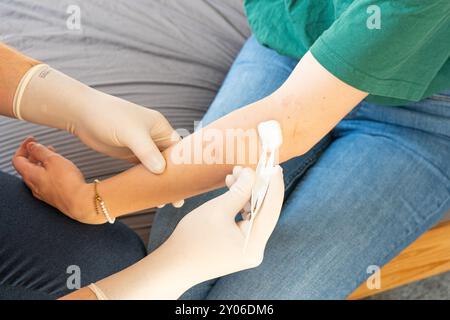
[207, 243]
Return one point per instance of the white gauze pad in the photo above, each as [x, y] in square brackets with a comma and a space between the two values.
[271, 138]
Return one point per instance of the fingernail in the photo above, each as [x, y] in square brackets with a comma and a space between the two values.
[237, 170]
[31, 145]
[246, 173]
[229, 180]
[178, 204]
[244, 181]
[157, 164]
[175, 137]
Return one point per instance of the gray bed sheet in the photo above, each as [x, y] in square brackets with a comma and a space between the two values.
[169, 55]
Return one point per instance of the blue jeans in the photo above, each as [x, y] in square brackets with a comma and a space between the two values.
[38, 244]
[357, 199]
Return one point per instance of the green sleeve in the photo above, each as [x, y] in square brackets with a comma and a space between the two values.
[398, 55]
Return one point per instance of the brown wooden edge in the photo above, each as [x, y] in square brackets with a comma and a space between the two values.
[429, 255]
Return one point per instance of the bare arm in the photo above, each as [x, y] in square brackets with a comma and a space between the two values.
[13, 65]
[186, 259]
[308, 105]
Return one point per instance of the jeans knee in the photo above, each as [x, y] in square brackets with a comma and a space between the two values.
[116, 247]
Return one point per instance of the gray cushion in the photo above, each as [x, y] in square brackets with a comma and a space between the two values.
[168, 55]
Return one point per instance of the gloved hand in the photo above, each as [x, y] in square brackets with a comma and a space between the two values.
[206, 244]
[105, 123]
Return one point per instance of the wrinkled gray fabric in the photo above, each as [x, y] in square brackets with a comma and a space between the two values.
[169, 55]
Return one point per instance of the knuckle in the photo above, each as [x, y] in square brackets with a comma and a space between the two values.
[238, 193]
[35, 190]
[156, 113]
[50, 159]
[36, 194]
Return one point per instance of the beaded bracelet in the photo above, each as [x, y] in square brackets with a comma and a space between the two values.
[100, 204]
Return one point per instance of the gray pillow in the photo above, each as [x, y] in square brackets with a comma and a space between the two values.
[168, 55]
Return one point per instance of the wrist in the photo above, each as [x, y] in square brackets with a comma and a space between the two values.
[184, 265]
[82, 207]
[71, 108]
[158, 276]
[170, 273]
[13, 67]
[48, 97]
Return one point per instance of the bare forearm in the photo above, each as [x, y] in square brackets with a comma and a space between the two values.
[308, 106]
[81, 294]
[13, 66]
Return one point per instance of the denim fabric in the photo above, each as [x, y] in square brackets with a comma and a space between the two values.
[38, 244]
[367, 190]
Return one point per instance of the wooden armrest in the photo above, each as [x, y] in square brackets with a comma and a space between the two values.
[429, 255]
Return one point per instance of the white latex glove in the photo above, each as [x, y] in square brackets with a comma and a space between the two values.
[105, 123]
[206, 244]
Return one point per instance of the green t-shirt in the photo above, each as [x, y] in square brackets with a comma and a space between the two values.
[396, 50]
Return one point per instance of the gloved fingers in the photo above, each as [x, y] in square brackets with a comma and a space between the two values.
[237, 171]
[268, 215]
[163, 134]
[168, 141]
[244, 225]
[239, 194]
[229, 181]
[147, 152]
[118, 152]
[131, 158]
[176, 204]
